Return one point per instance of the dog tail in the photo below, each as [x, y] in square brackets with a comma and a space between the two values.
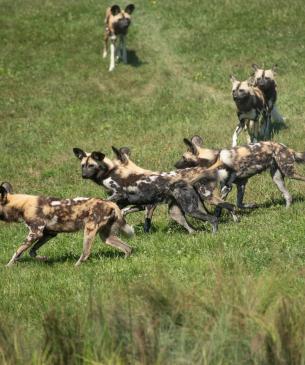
[299, 157]
[123, 226]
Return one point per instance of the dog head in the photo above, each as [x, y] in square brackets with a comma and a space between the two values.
[94, 165]
[241, 90]
[264, 79]
[196, 154]
[121, 19]
[5, 189]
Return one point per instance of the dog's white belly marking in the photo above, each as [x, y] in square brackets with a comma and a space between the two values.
[226, 157]
[131, 189]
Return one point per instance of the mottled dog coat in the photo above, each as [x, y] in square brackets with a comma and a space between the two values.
[264, 79]
[132, 185]
[117, 22]
[45, 217]
[246, 161]
[251, 107]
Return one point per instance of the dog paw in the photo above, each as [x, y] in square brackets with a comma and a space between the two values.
[41, 258]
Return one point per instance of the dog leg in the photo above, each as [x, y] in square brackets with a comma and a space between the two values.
[237, 132]
[44, 239]
[149, 211]
[115, 242]
[178, 216]
[278, 179]
[240, 197]
[112, 54]
[106, 37]
[34, 235]
[124, 51]
[214, 200]
[89, 235]
[189, 201]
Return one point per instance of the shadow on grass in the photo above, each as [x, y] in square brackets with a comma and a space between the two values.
[276, 127]
[133, 58]
[71, 257]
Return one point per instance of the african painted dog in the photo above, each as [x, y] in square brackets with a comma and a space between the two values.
[246, 161]
[251, 107]
[46, 217]
[203, 187]
[132, 185]
[264, 80]
[117, 22]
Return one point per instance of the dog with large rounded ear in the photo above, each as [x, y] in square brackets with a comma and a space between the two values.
[129, 9]
[79, 153]
[274, 68]
[5, 188]
[255, 66]
[233, 79]
[191, 146]
[197, 140]
[121, 154]
[115, 10]
[97, 156]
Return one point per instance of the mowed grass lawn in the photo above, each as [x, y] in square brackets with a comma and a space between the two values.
[236, 297]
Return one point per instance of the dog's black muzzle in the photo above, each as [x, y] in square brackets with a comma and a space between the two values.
[121, 27]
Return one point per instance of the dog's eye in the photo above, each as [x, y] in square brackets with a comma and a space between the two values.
[259, 79]
[91, 166]
[267, 78]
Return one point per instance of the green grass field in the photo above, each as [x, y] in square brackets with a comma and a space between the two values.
[236, 297]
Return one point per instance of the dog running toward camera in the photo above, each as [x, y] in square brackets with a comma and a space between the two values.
[265, 81]
[46, 217]
[129, 184]
[246, 161]
[117, 22]
[251, 110]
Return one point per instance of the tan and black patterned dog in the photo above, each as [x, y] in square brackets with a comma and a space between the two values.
[251, 110]
[46, 217]
[265, 81]
[246, 161]
[117, 22]
[132, 185]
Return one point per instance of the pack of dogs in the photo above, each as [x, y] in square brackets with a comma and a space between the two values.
[201, 176]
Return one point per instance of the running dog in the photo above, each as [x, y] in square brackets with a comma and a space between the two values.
[132, 185]
[265, 81]
[117, 22]
[46, 217]
[251, 107]
[246, 161]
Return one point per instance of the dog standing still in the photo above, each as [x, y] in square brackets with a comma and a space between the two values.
[117, 22]
[46, 217]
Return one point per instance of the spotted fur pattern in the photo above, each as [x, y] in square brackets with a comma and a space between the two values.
[246, 161]
[117, 22]
[132, 185]
[252, 110]
[264, 79]
[46, 217]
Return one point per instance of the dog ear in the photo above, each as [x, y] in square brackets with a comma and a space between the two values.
[115, 10]
[8, 187]
[80, 154]
[125, 151]
[255, 67]
[4, 190]
[197, 140]
[129, 9]
[120, 155]
[97, 156]
[274, 67]
[233, 78]
[191, 146]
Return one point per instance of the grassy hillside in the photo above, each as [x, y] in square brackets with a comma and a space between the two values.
[232, 298]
